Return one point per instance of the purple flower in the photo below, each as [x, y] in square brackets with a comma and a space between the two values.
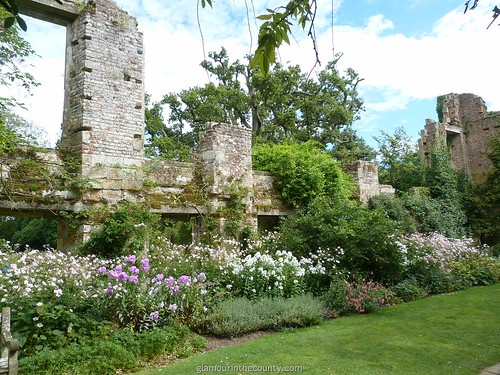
[130, 259]
[154, 315]
[118, 268]
[170, 280]
[175, 289]
[133, 279]
[145, 264]
[172, 307]
[113, 275]
[184, 279]
[122, 276]
[109, 291]
[101, 270]
[159, 277]
[134, 270]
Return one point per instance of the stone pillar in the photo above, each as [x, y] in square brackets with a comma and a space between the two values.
[365, 175]
[223, 159]
[103, 120]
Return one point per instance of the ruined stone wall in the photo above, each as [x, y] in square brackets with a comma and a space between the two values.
[365, 176]
[223, 158]
[467, 129]
[103, 127]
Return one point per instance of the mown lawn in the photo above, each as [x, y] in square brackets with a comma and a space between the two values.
[457, 333]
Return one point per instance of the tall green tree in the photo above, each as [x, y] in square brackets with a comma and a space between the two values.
[13, 50]
[286, 104]
[399, 161]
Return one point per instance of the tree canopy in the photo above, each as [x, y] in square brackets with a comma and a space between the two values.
[285, 105]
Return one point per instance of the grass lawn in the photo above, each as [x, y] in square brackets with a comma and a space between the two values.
[445, 334]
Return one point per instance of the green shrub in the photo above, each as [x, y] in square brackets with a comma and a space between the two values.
[395, 209]
[303, 172]
[359, 295]
[367, 238]
[124, 350]
[122, 232]
[235, 317]
[408, 290]
[476, 269]
[334, 298]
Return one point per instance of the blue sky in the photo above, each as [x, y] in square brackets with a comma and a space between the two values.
[408, 52]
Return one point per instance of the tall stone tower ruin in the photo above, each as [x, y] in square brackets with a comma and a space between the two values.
[467, 128]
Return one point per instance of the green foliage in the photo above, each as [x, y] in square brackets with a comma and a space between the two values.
[303, 172]
[399, 163]
[276, 29]
[395, 209]
[235, 317]
[117, 351]
[368, 238]
[287, 104]
[121, 232]
[445, 211]
[408, 290]
[483, 207]
[435, 215]
[13, 49]
[35, 232]
[355, 295]
[10, 15]
[335, 299]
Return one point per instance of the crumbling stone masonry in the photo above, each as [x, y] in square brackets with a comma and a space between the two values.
[103, 129]
[365, 176]
[467, 128]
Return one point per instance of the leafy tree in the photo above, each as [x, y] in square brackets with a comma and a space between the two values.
[399, 163]
[284, 105]
[167, 142]
[35, 232]
[13, 49]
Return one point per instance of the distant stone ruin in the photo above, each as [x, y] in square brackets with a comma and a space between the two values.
[467, 128]
[100, 160]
